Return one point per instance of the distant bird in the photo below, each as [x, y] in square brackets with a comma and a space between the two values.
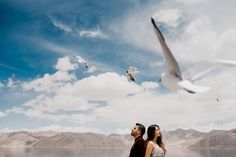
[131, 73]
[174, 79]
[81, 61]
[217, 100]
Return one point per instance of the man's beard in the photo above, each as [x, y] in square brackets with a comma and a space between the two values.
[132, 133]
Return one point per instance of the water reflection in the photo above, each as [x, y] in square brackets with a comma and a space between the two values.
[201, 153]
[62, 152]
[95, 152]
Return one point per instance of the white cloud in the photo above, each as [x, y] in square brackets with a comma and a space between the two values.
[61, 26]
[2, 114]
[149, 85]
[76, 97]
[49, 83]
[92, 33]
[1, 85]
[11, 83]
[215, 126]
[55, 128]
[168, 16]
[95, 33]
[192, 2]
[62, 50]
[109, 99]
[112, 85]
[64, 64]
[199, 33]
[92, 69]
[79, 102]
[123, 131]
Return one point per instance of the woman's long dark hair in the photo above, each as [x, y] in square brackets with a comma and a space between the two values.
[151, 133]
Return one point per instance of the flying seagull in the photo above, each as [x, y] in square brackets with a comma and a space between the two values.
[81, 61]
[131, 73]
[174, 79]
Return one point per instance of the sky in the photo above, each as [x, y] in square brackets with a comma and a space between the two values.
[43, 87]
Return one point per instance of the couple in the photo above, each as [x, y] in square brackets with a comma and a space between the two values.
[152, 147]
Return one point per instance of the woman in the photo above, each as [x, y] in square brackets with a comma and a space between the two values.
[155, 146]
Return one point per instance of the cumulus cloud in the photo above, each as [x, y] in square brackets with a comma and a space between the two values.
[66, 98]
[49, 83]
[64, 64]
[76, 97]
[149, 85]
[100, 100]
[63, 50]
[92, 69]
[11, 83]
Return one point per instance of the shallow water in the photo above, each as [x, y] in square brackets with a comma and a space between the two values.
[101, 152]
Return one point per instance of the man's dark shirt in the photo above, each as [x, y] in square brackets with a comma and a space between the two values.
[138, 148]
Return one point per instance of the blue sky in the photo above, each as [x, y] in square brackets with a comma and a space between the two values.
[42, 87]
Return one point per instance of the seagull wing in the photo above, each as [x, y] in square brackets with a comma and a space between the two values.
[172, 66]
[205, 67]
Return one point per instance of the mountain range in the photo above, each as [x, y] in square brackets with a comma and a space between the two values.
[179, 138]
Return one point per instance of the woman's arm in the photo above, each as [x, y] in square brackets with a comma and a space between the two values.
[149, 149]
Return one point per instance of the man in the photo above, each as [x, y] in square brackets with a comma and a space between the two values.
[138, 148]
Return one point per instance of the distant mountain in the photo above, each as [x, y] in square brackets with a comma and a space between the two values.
[193, 139]
[179, 138]
[22, 139]
[186, 134]
[61, 140]
[80, 140]
[217, 139]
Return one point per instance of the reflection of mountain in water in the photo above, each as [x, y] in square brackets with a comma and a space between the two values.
[176, 139]
[63, 152]
[101, 152]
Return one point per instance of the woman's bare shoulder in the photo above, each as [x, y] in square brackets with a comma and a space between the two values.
[151, 143]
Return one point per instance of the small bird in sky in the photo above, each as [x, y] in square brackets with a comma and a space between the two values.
[131, 73]
[81, 61]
